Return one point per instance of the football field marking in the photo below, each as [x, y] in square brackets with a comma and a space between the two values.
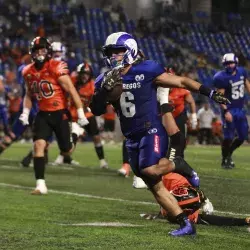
[107, 198]
[101, 224]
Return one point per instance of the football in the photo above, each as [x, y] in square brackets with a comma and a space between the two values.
[115, 93]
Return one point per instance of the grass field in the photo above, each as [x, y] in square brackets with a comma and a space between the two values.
[83, 195]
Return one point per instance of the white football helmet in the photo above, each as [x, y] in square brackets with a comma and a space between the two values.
[59, 51]
[120, 40]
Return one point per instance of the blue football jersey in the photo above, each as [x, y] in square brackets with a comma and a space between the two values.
[234, 86]
[138, 108]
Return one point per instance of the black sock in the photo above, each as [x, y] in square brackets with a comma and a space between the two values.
[75, 138]
[225, 147]
[221, 220]
[28, 158]
[182, 167]
[67, 159]
[180, 219]
[176, 146]
[124, 153]
[99, 152]
[39, 167]
[235, 144]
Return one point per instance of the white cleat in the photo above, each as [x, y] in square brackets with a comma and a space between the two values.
[103, 164]
[41, 188]
[74, 163]
[139, 183]
[58, 161]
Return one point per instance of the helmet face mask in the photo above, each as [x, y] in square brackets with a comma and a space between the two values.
[230, 62]
[40, 50]
[59, 51]
[84, 73]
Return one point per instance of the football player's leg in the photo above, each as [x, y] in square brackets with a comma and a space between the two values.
[41, 133]
[242, 131]
[125, 169]
[176, 136]
[228, 131]
[77, 131]
[93, 131]
[152, 149]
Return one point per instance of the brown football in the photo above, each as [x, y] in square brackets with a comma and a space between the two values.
[115, 93]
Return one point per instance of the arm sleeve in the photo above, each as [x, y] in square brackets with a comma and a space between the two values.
[218, 82]
[61, 69]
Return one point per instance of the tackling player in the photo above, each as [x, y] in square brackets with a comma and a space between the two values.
[138, 113]
[197, 207]
[232, 82]
[84, 84]
[47, 81]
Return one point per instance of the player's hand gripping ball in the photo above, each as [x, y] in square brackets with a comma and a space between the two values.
[112, 82]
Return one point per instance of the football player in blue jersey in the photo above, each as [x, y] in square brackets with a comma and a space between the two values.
[232, 82]
[18, 128]
[137, 109]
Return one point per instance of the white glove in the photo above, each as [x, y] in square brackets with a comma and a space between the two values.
[162, 95]
[24, 117]
[194, 121]
[82, 120]
[207, 207]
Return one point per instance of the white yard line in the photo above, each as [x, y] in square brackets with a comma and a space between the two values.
[108, 198]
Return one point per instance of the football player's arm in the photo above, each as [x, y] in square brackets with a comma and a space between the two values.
[27, 105]
[247, 85]
[190, 100]
[173, 81]
[99, 102]
[68, 86]
[1, 85]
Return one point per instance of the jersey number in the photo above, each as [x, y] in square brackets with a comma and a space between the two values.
[127, 107]
[42, 89]
[238, 92]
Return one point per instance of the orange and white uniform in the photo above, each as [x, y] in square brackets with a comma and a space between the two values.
[44, 86]
[173, 181]
[177, 99]
[110, 113]
[85, 91]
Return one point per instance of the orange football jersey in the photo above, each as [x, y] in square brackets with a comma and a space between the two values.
[44, 86]
[177, 99]
[85, 92]
[110, 113]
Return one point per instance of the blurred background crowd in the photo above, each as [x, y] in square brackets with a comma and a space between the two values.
[192, 35]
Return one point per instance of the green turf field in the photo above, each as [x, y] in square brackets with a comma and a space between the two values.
[83, 195]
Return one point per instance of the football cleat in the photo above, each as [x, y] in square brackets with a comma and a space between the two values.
[124, 170]
[139, 183]
[58, 161]
[103, 164]
[41, 188]
[194, 180]
[187, 229]
[75, 163]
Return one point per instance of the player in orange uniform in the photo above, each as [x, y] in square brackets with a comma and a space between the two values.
[84, 84]
[47, 81]
[195, 205]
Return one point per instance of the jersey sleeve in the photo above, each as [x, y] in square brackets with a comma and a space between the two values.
[244, 72]
[218, 82]
[61, 69]
[98, 81]
[154, 69]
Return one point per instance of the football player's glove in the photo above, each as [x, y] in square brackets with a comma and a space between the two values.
[218, 97]
[207, 207]
[82, 120]
[111, 78]
[193, 120]
[24, 117]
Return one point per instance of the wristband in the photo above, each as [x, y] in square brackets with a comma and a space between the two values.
[166, 108]
[206, 91]
[80, 113]
[26, 111]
